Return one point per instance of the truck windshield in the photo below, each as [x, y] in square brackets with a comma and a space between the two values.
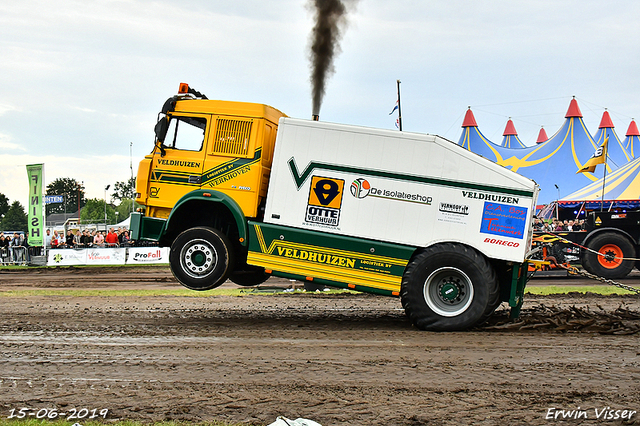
[186, 133]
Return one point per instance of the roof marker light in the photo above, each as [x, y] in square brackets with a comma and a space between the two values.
[184, 88]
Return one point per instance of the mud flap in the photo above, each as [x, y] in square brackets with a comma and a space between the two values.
[518, 283]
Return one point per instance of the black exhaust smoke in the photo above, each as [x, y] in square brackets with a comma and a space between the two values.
[325, 44]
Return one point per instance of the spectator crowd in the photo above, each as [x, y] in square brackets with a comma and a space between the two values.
[556, 225]
[13, 248]
[88, 238]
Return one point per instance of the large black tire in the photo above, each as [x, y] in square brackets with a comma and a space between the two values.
[249, 276]
[449, 287]
[612, 246]
[201, 258]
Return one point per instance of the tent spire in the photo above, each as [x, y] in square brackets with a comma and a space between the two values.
[606, 122]
[574, 110]
[542, 136]
[633, 129]
[469, 119]
[510, 129]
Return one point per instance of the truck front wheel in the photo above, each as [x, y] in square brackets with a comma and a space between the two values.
[201, 258]
[449, 287]
[607, 260]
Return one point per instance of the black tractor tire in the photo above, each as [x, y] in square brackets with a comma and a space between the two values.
[449, 287]
[201, 258]
[249, 276]
[612, 246]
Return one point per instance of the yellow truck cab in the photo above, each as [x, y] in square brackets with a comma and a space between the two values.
[221, 145]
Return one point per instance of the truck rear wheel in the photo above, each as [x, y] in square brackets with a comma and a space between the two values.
[608, 263]
[201, 258]
[449, 287]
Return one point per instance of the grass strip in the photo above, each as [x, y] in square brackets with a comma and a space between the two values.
[605, 290]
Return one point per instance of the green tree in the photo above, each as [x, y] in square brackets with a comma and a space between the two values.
[124, 209]
[93, 212]
[4, 205]
[71, 189]
[124, 190]
[15, 219]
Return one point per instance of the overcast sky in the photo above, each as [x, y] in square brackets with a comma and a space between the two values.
[81, 81]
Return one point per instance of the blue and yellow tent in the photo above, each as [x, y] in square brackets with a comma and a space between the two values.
[552, 164]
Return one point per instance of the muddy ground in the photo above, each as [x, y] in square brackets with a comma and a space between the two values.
[335, 359]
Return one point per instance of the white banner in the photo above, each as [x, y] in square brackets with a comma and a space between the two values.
[140, 255]
[67, 257]
[106, 256]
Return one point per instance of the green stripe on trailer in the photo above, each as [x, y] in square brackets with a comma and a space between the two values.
[301, 178]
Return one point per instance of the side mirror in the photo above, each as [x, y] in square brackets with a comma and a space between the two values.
[162, 126]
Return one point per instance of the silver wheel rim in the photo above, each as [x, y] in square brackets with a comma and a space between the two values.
[198, 258]
[448, 291]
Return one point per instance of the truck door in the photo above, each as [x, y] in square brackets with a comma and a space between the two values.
[177, 164]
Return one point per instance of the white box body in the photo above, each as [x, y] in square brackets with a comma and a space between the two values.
[405, 188]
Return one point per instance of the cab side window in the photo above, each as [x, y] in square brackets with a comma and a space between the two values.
[186, 133]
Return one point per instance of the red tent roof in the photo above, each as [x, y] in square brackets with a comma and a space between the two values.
[510, 130]
[469, 119]
[542, 136]
[606, 122]
[574, 110]
[633, 129]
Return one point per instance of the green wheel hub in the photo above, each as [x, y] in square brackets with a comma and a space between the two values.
[449, 291]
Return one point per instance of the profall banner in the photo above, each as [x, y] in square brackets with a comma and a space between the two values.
[36, 222]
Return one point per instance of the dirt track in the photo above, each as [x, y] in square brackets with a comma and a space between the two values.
[338, 360]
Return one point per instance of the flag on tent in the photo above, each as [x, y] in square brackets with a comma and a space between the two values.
[598, 157]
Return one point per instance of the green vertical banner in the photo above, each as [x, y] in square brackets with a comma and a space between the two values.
[36, 202]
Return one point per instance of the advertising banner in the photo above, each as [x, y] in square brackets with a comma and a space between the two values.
[106, 256]
[66, 257]
[146, 255]
[34, 216]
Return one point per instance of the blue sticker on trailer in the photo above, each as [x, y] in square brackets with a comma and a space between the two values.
[504, 220]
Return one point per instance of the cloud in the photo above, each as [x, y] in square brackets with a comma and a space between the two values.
[6, 144]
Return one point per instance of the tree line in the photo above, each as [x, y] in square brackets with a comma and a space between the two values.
[13, 216]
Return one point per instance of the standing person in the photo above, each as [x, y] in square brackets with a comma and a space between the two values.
[4, 248]
[17, 248]
[54, 239]
[112, 238]
[98, 239]
[124, 237]
[69, 240]
[47, 239]
[77, 239]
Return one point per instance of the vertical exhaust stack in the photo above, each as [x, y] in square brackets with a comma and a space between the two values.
[330, 22]
[315, 117]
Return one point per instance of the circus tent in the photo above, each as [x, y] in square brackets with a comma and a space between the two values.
[552, 164]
